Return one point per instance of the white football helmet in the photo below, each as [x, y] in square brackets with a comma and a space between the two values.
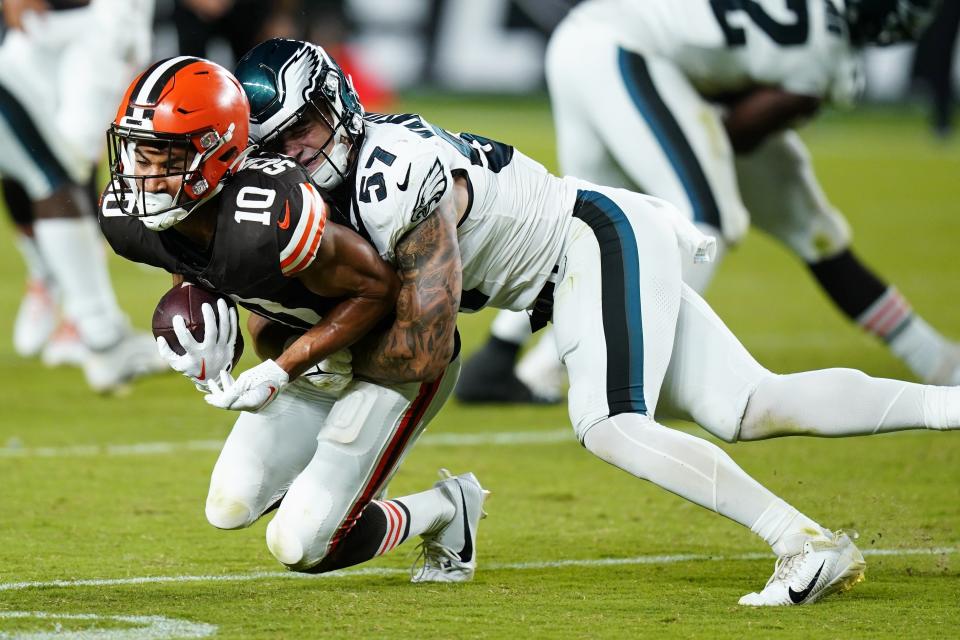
[289, 84]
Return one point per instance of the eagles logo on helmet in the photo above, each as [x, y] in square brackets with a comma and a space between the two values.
[291, 83]
[193, 113]
[885, 22]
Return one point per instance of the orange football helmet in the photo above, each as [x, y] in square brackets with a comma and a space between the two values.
[193, 113]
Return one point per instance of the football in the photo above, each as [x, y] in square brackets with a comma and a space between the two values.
[186, 300]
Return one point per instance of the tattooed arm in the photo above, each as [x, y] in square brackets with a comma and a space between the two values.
[419, 344]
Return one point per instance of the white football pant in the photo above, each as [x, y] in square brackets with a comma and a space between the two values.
[325, 458]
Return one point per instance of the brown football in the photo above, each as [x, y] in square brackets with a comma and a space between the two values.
[186, 300]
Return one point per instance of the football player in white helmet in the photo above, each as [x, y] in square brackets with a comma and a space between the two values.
[61, 72]
[471, 222]
[697, 102]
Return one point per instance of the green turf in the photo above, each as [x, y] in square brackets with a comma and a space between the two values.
[113, 516]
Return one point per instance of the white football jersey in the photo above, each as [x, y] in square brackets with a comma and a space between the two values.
[801, 46]
[69, 69]
[512, 233]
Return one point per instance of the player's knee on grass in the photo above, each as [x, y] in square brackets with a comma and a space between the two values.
[228, 511]
[287, 545]
[296, 547]
[769, 411]
[299, 535]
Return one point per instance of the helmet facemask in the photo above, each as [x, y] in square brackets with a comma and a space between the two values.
[325, 106]
[183, 160]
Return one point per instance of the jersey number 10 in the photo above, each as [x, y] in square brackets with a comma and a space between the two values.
[794, 33]
[254, 198]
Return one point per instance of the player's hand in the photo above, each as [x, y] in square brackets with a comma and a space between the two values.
[207, 358]
[333, 373]
[253, 390]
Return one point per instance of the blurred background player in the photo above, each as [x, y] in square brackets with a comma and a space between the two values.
[242, 24]
[62, 68]
[697, 104]
[39, 327]
[933, 66]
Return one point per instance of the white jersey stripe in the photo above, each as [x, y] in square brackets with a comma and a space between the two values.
[302, 248]
[300, 229]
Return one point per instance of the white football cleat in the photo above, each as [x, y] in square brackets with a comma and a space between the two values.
[450, 554]
[65, 348]
[826, 565]
[36, 320]
[134, 356]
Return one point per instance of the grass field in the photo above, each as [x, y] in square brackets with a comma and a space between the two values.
[102, 532]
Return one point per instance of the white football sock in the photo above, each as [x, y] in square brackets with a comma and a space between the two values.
[429, 510]
[701, 472]
[845, 402]
[37, 269]
[920, 347]
[72, 249]
[511, 326]
[785, 529]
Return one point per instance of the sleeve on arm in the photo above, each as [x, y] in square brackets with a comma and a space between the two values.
[300, 223]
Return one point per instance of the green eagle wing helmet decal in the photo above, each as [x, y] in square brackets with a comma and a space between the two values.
[281, 77]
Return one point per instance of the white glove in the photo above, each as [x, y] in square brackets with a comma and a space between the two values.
[253, 389]
[333, 373]
[207, 358]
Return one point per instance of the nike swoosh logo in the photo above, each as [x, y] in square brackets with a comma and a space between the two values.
[466, 554]
[799, 596]
[203, 370]
[406, 180]
[285, 223]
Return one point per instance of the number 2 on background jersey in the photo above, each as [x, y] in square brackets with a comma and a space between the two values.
[794, 33]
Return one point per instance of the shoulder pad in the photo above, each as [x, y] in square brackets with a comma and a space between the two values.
[271, 164]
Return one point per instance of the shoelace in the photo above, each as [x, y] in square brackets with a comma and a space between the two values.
[431, 554]
[783, 568]
[786, 565]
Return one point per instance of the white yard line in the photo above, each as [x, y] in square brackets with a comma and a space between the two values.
[386, 571]
[143, 627]
[496, 438]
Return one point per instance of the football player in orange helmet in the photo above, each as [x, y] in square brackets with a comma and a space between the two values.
[188, 196]
[186, 120]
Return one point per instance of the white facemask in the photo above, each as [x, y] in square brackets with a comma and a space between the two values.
[161, 221]
[326, 175]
